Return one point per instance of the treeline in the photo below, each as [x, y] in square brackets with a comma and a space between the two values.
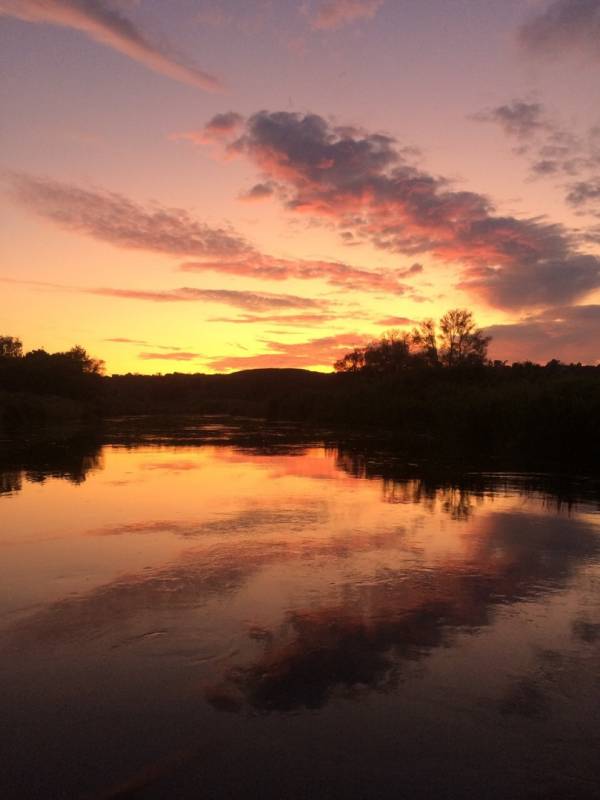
[38, 388]
[451, 402]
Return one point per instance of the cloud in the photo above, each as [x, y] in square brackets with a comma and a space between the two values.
[321, 352]
[394, 322]
[552, 150]
[583, 192]
[260, 191]
[564, 27]
[252, 301]
[177, 355]
[366, 184]
[517, 118]
[336, 273]
[218, 127]
[543, 282]
[569, 333]
[124, 340]
[335, 13]
[98, 20]
[112, 218]
[278, 319]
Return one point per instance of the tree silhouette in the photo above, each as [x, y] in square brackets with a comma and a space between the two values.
[10, 347]
[460, 340]
[454, 341]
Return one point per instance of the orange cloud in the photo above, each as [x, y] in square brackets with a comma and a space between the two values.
[312, 353]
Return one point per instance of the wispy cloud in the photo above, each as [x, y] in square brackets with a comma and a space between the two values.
[113, 218]
[395, 322]
[105, 24]
[552, 151]
[246, 300]
[305, 320]
[335, 273]
[125, 340]
[178, 355]
[252, 301]
[335, 13]
[321, 352]
[368, 186]
[564, 27]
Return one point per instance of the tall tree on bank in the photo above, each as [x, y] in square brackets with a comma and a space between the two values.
[454, 341]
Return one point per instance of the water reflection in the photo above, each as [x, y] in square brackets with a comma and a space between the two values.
[363, 641]
[222, 577]
[70, 458]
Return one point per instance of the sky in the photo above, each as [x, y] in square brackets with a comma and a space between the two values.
[215, 185]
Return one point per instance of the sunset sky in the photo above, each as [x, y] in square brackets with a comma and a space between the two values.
[214, 185]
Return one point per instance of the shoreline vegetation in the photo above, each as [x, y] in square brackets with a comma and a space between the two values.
[432, 393]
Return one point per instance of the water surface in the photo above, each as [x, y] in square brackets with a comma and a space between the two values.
[224, 611]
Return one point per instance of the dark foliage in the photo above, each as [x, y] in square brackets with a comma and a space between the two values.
[429, 408]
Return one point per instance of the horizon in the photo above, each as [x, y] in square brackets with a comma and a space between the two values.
[173, 203]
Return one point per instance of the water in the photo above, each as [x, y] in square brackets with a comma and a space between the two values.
[224, 611]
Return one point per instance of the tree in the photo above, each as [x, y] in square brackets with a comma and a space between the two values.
[460, 341]
[87, 364]
[10, 347]
[454, 342]
[424, 338]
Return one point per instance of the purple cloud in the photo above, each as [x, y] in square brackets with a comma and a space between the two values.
[113, 218]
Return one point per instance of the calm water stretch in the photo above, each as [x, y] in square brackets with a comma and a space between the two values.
[229, 612]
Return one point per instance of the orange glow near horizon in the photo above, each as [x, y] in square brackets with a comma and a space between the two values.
[193, 231]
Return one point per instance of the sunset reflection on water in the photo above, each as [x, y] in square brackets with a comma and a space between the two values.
[301, 618]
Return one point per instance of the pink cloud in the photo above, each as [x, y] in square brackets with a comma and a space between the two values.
[368, 186]
[335, 13]
[265, 267]
[106, 25]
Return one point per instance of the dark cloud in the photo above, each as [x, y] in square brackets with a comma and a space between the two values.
[569, 333]
[335, 13]
[518, 118]
[112, 218]
[105, 24]
[583, 192]
[565, 26]
[544, 282]
[552, 150]
[367, 185]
